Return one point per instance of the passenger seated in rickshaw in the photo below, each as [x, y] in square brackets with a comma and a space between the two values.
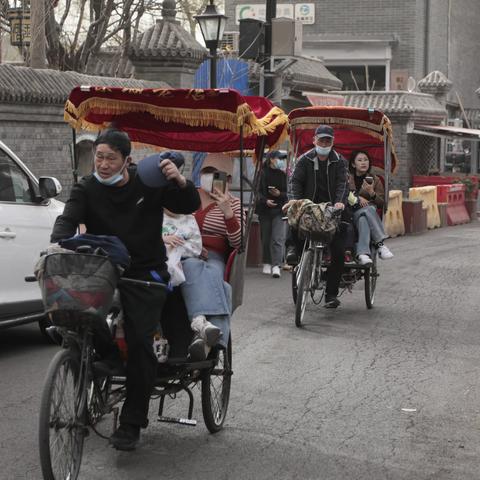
[321, 175]
[368, 196]
[206, 295]
[116, 201]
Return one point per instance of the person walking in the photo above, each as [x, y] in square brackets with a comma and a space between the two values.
[272, 197]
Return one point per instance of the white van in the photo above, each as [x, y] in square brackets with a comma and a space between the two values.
[27, 215]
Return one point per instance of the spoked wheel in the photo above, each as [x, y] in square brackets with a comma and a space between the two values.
[371, 283]
[63, 415]
[216, 390]
[304, 277]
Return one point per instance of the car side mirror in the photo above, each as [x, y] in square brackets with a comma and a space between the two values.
[49, 187]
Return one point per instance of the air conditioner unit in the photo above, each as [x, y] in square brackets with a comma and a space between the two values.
[230, 41]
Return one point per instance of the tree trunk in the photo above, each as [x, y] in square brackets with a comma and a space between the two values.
[38, 40]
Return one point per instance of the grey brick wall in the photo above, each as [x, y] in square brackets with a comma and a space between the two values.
[448, 41]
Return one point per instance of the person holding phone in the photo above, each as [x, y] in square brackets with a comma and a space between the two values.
[368, 196]
[272, 196]
[207, 296]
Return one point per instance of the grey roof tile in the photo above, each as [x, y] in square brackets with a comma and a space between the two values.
[28, 85]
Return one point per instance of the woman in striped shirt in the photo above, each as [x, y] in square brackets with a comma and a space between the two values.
[207, 296]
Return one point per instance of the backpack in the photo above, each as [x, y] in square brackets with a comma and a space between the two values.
[318, 220]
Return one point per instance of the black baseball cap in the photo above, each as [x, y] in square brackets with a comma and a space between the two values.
[324, 131]
[276, 154]
[149, 171]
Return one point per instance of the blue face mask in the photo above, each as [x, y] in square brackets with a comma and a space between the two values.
[113, 180]
[281, 164]
[323, 151]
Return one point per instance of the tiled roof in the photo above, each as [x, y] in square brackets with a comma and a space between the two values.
[311, 72]
[28, 85]
[167, 38]
[396, 102]
[435, 82]
[305, 74]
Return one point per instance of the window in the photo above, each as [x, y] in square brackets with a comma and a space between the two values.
[355, 77]
[14, 183]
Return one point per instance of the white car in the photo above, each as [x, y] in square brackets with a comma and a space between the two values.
[27, 215]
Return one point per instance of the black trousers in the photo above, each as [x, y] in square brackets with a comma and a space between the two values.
[142, 307]
[337, 251]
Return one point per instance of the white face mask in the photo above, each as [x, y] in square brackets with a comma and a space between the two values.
[206, 181]
[323, 151]
[112, 180]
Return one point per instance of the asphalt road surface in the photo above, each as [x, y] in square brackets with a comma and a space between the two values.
[390, 393]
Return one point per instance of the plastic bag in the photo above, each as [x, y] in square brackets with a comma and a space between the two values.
[174, 265]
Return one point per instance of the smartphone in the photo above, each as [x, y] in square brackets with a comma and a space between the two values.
[219, 181]
[271, 188]
[369, 180]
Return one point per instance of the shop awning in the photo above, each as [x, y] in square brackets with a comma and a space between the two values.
[442, 131]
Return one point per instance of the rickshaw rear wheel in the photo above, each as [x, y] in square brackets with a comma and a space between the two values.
[62, 419]
[371, 283]
[303, 279]
[216, 384]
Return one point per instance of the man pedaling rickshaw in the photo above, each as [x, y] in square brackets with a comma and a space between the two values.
[115, 201]
[321, 175]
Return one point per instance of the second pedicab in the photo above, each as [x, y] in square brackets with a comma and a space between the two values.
[356, 129]
[75, 398]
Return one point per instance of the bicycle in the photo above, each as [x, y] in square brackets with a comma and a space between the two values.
[75, 397]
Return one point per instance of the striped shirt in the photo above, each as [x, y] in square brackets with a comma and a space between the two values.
[218, 233]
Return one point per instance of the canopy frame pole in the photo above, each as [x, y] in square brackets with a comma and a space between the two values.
[74, 153]
[242, 233]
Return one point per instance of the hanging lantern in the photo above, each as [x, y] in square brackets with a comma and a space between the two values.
[19, 19]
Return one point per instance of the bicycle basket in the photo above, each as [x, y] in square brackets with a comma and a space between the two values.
[77, 288]
[316, 220]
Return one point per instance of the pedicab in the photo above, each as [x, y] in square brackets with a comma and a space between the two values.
[75, 398]
[355, 129]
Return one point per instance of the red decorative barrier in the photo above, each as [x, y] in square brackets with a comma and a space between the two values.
[454, 196]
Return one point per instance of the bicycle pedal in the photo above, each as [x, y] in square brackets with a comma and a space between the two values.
[181, 421]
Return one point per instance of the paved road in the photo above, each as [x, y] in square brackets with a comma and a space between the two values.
[324, 402]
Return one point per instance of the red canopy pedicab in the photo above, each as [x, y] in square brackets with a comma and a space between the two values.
[220, 120]
[355, 129]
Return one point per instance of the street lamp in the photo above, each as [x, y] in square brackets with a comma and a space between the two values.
[212, 25]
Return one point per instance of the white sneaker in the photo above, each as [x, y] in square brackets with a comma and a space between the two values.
[267, 269]
[208, 332]
[384, 252]
[276, 271]
[364, 260]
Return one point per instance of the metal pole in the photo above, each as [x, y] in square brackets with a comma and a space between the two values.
[242, 245]
[74, 151]
[213, 67]
[271, 12]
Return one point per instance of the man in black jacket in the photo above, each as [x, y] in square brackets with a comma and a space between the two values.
[321, 175]
[115, 201]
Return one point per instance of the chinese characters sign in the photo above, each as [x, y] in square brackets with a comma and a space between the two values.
[304, 12]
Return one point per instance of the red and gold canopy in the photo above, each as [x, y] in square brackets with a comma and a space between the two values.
[204, 120]
[355, 129]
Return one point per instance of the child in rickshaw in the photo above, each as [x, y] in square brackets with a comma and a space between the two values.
[206, 295]
[367, 195]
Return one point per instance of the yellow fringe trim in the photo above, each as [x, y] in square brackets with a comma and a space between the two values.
[221, 119]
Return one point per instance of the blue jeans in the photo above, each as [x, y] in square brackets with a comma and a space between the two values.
[369, 228]
[206, 293]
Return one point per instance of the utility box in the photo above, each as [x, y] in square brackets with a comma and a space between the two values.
[252, 38]
[287, 35]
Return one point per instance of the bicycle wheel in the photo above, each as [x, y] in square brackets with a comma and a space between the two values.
[216, 390]
[371, 283]
[62, 419]
[294, 284]
[304, 277]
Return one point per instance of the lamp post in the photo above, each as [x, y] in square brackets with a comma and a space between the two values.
[212, 25]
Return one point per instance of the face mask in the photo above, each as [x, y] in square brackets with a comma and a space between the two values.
[114, 179]
[323, 151]
[206, 181]
[281, 164]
